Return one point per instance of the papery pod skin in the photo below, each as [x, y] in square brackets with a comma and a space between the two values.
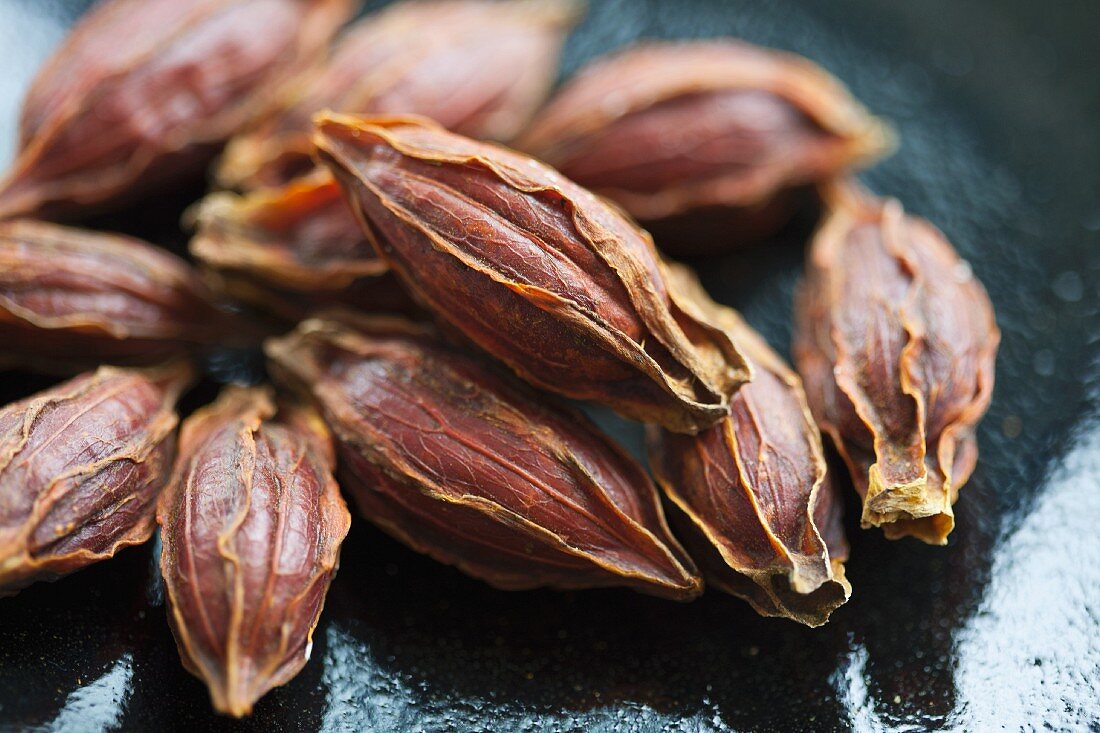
[74, 295]
[143, 91]
[671, 127]
[896, 342]
[465, 464]
[478, 67]
[251, 527]
[292, 249]
[532, 268]
[81, 465]
[756, 507]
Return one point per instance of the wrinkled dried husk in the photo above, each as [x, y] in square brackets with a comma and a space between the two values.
[477, 67]
[533, 269]
[667, 128]
[143, 91]
[756, 507]
[73, 297]
[81, 465]
[251, 526]
[464, 463]
[896, 341]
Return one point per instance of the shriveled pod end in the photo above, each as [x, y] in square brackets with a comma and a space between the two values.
[752, 495]
[251, 528]
[896, 340]
[469, 466]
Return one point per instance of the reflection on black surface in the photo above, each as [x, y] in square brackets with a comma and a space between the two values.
[997, 121]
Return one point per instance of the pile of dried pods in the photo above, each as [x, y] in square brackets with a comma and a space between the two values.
[442, 287]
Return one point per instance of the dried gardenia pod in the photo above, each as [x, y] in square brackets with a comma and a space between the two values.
[471, 467]
[896, 342]
[478, 67]
[532, 268]
[293, 248]
[667, 128]
[75, 295]
[81, 465]
[251, 524]
[143, 92]
[758, 510]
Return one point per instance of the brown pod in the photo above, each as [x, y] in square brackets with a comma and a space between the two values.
[532, 268]
[81, 465]
[667, 128]
[463, 463]
[756, 505]
[143, 91]
[293, 248]
[479, 67]
[72, 295]
[251, 526]
[896, 341]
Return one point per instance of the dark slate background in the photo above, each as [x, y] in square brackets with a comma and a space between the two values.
[998, 106]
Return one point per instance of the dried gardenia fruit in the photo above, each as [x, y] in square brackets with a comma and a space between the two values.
[532, 268]
[469, 466]
[293, 248]
[143, 91]
[758, 510]
[896, 342]
[667, 128]
[479, 67]
[75, 295]
[251, 524]
[81, 465]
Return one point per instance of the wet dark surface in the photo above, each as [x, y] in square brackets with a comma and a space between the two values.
[997, 104]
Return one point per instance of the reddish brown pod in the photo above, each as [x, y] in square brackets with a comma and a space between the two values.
[479, 67]
[669, 128]
[755, 504]
[81, 465]
[144, 91]
[71, 296]
[251, 526]
[471, 467]
[896, 341]
[532, 268]
[293, 248]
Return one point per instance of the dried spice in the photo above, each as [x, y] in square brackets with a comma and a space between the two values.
[756, 507]
[896, 342]
[143, 91]
[251, 524]
[479, 67]
[532, 268]
[471, 467]
[292, 249]
[70, 296]
[81, 465]
[667, 128]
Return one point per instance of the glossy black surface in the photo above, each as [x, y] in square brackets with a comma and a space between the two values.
[998, 105]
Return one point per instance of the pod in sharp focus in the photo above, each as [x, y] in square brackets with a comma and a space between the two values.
[142, 92]
[471, 467]
[251, 527]
[669, 128]
[756, 505]
[477, 67]
[71, 296]
[81, 465]
[896, 342]
[533, 269]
